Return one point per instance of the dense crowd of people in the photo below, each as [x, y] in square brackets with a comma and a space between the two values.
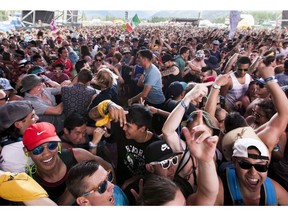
[99, 116]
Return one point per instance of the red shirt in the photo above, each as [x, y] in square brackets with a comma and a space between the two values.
[68, 67]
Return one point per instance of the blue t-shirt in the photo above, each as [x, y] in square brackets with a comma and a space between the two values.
[282, 79]
[153, 78]
[120, 197]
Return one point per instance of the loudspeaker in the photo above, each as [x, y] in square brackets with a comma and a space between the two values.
[44, 16]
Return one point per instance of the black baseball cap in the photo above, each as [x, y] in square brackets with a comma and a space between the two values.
[158, 151]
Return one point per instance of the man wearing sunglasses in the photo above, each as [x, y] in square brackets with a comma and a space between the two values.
[246, 183]
[237, 86]
[159, 160]
[51, 163]
[92, 185]
[57, 74]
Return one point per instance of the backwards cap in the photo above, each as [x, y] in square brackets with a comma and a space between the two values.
[236, 142]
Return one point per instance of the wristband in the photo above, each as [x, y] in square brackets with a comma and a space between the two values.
[184, 105]
[107, 108]
[268, 79]
[92, 145]
[216, 86]
[273, 80]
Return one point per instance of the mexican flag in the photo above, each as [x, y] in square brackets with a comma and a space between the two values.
[129, 27]
[135, 21]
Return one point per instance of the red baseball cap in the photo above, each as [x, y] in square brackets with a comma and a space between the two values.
[39, 133]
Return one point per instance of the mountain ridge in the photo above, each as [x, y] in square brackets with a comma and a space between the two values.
[149, 14]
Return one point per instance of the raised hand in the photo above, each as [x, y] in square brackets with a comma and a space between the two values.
[136, 195]
[200, 90]
[117, 113]
[199, 140]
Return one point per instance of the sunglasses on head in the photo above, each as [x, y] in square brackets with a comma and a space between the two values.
[165, 164]
[259, 167]
[102, 187]
[5, 98]
[50, 145]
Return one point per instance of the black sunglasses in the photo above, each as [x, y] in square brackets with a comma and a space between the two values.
[256, 114]
[243, 69]
[5, 98]
[259, 167]
[102, 187]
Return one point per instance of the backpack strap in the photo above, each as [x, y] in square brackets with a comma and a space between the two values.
[233, 187]
[270, 193]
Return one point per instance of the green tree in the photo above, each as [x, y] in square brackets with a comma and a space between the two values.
[218, 20]
[262, 16]
[3, 15]
[159, 19]
[109, 18]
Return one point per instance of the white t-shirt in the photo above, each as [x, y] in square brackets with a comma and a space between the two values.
[13, 158]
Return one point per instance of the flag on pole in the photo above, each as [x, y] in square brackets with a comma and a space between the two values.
[234, 20]
[135, 21]
[124, 26]
[129, 28]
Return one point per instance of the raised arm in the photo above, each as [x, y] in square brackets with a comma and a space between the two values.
[231, 62]
[175, 117]
[82, 154]
[277, 124]
[211, 103]
[203, 146]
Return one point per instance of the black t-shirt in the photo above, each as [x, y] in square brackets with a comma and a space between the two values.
[131, 161]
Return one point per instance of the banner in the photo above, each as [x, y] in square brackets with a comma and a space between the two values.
[284, 23]
[234, 20]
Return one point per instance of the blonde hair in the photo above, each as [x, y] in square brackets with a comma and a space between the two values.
[104, 78]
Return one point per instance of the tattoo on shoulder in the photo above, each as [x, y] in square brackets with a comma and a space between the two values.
[169, 71]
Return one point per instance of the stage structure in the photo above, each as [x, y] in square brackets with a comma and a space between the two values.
[35, 18]
[192, 21]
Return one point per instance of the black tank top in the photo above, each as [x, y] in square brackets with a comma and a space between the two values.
[56, 189]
